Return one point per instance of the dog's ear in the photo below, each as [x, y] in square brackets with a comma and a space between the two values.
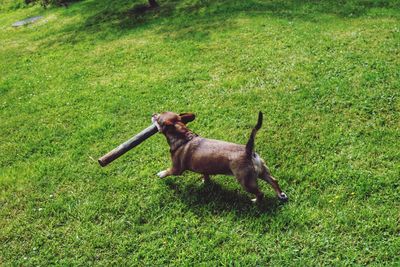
[187, 117]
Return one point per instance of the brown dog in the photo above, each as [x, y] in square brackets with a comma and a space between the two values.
[206, 156]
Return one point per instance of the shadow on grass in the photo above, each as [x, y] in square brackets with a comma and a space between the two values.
[130, 14]
[195, 19]
[213, 198]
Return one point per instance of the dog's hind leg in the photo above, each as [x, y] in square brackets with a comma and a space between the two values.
[206, 178]
[248, 180]
[266, 176]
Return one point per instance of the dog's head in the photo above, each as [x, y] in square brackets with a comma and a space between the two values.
[172, 122]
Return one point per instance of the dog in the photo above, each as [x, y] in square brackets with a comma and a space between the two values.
[210, 157]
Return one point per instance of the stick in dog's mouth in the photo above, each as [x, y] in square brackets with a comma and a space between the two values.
[154, 121]
[128, 145]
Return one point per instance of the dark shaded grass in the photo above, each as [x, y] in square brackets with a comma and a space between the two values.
[196, 19]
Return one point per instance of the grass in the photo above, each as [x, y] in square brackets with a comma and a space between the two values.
[87, 77]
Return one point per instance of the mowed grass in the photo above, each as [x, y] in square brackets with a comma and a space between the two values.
[88, 77]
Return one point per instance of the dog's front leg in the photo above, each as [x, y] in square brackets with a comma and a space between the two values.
[168, 172]
[164, 173]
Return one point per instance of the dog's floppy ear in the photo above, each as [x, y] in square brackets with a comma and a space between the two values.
[187, 117]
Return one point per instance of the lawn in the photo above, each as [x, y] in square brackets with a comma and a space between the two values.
[85, 78]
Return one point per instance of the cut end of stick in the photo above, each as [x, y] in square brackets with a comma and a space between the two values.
[102, 164]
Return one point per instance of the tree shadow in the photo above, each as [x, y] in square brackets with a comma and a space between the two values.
[204, 11]
[214, 198]
[194, 20]
[123, 16]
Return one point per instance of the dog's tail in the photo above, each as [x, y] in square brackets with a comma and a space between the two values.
[250, 143]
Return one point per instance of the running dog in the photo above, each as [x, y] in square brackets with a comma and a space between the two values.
[209, 157]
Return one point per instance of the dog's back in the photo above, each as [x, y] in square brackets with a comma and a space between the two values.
[209, 156]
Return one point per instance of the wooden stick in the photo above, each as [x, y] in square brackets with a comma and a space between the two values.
[128, 145]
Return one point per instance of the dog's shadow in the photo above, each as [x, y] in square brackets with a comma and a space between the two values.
[213, 198]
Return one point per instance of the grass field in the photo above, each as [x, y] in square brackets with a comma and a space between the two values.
[85, 78]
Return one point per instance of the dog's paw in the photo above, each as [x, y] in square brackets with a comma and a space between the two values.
[258, 199]
[162, 174]
[283, 197]
[205, 180]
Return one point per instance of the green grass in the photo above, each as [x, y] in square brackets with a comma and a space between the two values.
[88, 77]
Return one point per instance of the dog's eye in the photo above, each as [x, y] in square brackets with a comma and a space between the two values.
[167, 123]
